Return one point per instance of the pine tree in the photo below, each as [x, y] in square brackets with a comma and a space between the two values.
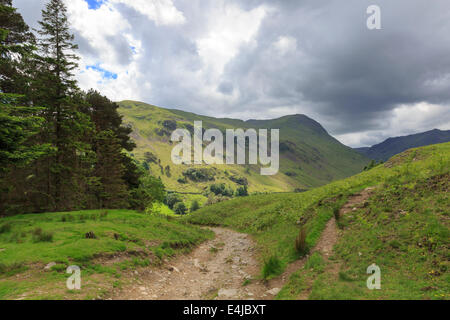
[17, 125]
[16, 43]
[67, 128]
[109, 168]
[108, 143]
[20, 121]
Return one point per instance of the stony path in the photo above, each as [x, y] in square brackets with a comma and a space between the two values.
[217, 269]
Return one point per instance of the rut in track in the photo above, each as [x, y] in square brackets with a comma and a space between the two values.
[219, 268]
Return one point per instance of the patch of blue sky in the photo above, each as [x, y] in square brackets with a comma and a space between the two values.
[95, 4]
[105, 73]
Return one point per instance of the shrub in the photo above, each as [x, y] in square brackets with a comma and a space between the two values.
[180, 208]
[6, 227]
[182, 180]
[194, 206]
[371, 165]
[172, 199]
[170, 124]
[239, 180]
[242, 192]
[199, 174]
[150, 157]
[221, 189]
[300, 241]
[272, 267]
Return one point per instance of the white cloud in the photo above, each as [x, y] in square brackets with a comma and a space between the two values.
[285, 44]
[228, 27]
[162, 12]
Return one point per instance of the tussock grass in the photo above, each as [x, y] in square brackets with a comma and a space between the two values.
[272, 268]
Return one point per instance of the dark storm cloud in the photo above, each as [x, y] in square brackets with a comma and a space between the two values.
[342, 70]
[315, 57]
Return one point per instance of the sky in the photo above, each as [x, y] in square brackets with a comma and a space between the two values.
[263, 59]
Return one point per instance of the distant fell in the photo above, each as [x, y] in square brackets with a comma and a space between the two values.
[392, 146]
[309, 156]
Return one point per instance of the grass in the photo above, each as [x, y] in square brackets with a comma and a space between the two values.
[272, 267]
[34, 240]
[387, 231]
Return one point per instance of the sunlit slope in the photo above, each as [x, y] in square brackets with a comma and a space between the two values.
[309, 156]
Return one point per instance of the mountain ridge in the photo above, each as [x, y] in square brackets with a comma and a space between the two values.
[309, 156]
[395, 145]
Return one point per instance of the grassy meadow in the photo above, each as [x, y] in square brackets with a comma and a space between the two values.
[29, 242]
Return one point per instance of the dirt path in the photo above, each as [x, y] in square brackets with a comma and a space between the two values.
[224, 268]
[217, 269]
[330, 237]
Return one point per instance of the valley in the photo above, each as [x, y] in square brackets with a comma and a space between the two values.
[309, 156]
[394, 215]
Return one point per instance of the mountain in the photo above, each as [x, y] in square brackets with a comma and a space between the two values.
[309, 156]
[392, 146]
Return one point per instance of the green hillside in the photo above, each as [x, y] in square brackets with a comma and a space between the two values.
[309, 156]
[403, 228]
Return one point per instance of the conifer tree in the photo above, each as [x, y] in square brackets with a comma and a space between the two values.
[16, 43]
[55, 88]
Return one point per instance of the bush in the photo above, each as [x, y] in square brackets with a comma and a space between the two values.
[182, 180]
[180, 208]
[239, 180]
[172, 199]
[242, 192]
[150, 190]
[194, 206]
[170, 124]
[371, 165]
[300, 241]
[199, 175]
[221, 189]
[150, 157]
